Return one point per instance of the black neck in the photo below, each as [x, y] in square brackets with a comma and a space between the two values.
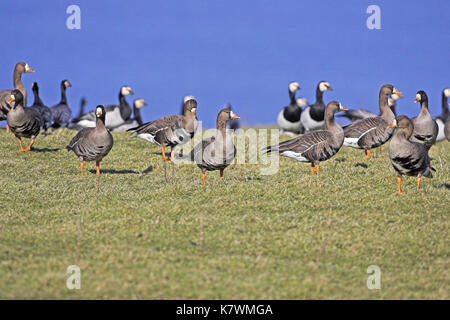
[137, 115]
[292, 97]
[319, 96]
[37, 99]
[63, 94]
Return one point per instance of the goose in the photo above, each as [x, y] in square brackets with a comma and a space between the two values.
[445, 115]
[44, 111]
[170, 131]
[137, 121]
[288, 119]
[447, 130]
[216, 153]
[315, 146]
[92, 144]
[425, 128]
[23, 122]
[61, 112]
[313, 116]
[83, 102]
[407, 157]
[117, 114]
[233, 124]
[19, 69]
[372, 132]
[359, 114]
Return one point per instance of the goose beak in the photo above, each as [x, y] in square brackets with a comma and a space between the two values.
[396, 92]
[234, 116]
[11, 99]
[330, 89]
[416, 100]
[343, 108]
[30, 70]
[194, 111]
[392, 125]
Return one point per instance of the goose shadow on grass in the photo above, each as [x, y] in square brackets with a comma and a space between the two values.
[113, 171]
[44, 150]
[443, 185]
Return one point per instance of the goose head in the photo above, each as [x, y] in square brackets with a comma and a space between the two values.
[15, 99]
[190, 105]
[294, 86]
[100, 113]
[421, 96]
[126, 90]
[302, 102]
[227, 114]
[65, 83]
[335, 106]
[402, 122]
[139, 103]
[23, 67]
[447, 92]
[34, 86]
[389, 90]
[324, 86]
[393, 99]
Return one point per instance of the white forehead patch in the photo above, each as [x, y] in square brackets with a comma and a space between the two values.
[447, 92]
[418, 97]
[323, 86]
[294, 86]
[187, 98]
[302, 102]
[232, 114]
[27, 67]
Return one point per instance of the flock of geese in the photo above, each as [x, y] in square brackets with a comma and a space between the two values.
[318, 136]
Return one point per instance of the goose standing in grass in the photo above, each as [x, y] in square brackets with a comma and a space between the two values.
[312, 117]
[117, 114]
[315, 146]
[288, 119]
[137, 121]
[92, 144]
[170, 131]
[216, 153]
[23, 122]
[372, 132]
[445, 115]
[19, 69]
[44, 111]
[408, 157]
[61, 112]
[425, 128]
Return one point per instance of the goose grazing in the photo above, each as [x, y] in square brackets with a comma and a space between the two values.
[170, 131]
[117, 114]
[288, 119]
[445, 115]
[408, 157]
[425, 128]
[315, 146]
[137, 121]
[92, 144]
[312, 117]
[23, 122]
[19, 69]
[372, 132]
[61, 112]
[216, 153]
[44, 111]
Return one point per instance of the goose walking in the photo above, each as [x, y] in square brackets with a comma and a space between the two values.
[170, 131]
[61, 112]
[137, 120]
[288, 119]
[312, 117]
[425, 128]
[445, 115]
[92, 144]
[408, 157]
[43, 111]
[315, 146]
[372, 132]
[117, 114]
[23, 122]
[19, 69]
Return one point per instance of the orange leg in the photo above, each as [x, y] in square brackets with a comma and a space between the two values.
[221, 175]
[317, 169]
[367, 152]
[7, 128]
[97, 167]
[82, 167]
[163, 151]
[312, 169]
[399, 181]
[21, 146]
[203, 179]
[172, 155]
[418, 183]
[29, 147]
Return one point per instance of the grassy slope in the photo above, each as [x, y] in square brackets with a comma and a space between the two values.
[289, 235]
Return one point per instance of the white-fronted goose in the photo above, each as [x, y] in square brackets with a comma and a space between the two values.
[315, 146]
[41, 108]
[445, 115]
[407, 157]
[312, 117]
[117, 114]
[19, 69]
[61, 112]
[425, 128]
[288, 119]
[216, 153]
[372, 132]
[92, 144]
[137, 121]
[23, 122]
[170, 131]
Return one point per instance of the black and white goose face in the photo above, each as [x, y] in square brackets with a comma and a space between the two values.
[139, 103]
[421, 96]
[187, 98]
[294, 86]
[66, 83]
[302, 102]
[447, 92]
[126, 90]
[325, 86]
[28, 69]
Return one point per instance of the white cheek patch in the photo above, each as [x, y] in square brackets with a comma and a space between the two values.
[231, 114]
[447, 92]
[323, 86]
[294, 86]
[418, 97]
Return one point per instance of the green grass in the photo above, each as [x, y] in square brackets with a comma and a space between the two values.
[287, 235]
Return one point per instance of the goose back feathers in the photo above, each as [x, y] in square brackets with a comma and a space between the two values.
[23, 122]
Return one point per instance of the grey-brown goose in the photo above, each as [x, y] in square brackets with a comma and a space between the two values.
[92, 144]
[216, 153]
[372, 132]
[445, 115]
[425, 128]
[61, 112]
[19, 69]
[315, 146]
[23, 122]
[408, 157]
[44, 111]
[170, 131]
[137, 118]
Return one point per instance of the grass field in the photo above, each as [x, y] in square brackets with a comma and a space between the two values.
[287, 235]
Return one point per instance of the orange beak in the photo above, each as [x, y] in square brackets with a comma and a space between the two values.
[396, 91]
[11, 99]
[344, 108]
[194, 111]
[416, 100]
[392, 125]
[31, 70]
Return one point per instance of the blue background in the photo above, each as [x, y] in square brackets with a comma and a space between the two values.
[242, 52]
